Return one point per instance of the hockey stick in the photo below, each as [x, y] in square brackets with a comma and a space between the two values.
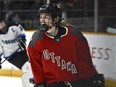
[9, 56]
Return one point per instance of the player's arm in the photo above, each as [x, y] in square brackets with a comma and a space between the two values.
[35, 60]
[21, 36]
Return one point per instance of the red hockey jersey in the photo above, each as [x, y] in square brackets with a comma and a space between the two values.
[66, 60]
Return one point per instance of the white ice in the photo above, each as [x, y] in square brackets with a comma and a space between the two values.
[10, 81]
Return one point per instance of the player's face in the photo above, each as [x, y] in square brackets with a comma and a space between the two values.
[46, 19]
[2, 25]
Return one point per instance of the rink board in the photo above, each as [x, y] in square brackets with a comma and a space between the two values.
[10, 72]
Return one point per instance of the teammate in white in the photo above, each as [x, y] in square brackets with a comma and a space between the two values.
[13, 49]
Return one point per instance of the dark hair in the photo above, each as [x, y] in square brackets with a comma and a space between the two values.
[8, 18]
[1, 18]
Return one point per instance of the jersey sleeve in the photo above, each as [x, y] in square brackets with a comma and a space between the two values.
[20, 31]
[36, 58]
[84, 54]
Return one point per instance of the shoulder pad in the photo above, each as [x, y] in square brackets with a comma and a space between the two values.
[35, 37]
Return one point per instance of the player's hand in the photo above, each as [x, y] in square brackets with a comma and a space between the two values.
[22, 42]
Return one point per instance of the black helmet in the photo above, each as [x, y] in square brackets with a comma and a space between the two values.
[52, 9]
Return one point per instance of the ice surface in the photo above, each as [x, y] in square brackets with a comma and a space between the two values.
[10, 81]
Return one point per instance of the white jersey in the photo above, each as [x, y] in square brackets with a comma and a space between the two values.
[9, 42]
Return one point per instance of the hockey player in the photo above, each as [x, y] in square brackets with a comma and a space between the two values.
[60, 55]
[12, 44]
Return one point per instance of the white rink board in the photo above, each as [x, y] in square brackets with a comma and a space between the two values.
[103, 49]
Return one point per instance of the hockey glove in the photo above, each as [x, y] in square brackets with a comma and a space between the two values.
[98, 80]
[31, 80]
[22, 41]
[40, 85]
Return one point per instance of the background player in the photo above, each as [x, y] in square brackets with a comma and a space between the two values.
[12, 46]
